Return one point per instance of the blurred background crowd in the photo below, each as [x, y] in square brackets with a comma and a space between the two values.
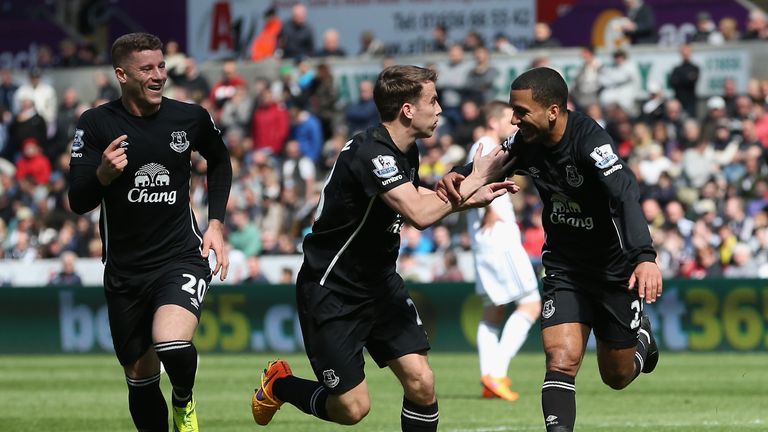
[702, 163]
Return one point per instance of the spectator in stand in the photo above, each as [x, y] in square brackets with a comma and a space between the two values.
[196, 85]
[265, 43]
[586, 86]
[26, 124]
[45, 57]
[226, 86]
[621, 83]
[33, 163]
[175, 60]
[440, 41]
[271, 123]
[683, 81]
[237, 112]
[639, 25]
[7, 90]
[452, 85]
[481, 78]
[502, 44]
[67, 276]
[715, 114]
[743, 264]
[542, 37]
[652, 108]
[69, 112]
[296, 38]
[255, 275]
[472, 40]
[757, 26]
[675, 219]
[370, 46]
[449, 271]
[736, 217]
[307, 129]
[331, 47]
[44, 97]
[653, 165]
[298, 171]
[706, 30]
[67, 57]
[729, 28]
[323, 98]
[245, 235]
[104, 88]
[362, 114]
[471, 119]
[672, 252]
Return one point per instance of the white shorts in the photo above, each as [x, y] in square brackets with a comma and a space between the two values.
[505, 276]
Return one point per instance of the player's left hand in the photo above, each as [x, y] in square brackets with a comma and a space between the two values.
[214, 239]
[490, 192]
[647, 279]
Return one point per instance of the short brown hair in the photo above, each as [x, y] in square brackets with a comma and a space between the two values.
[397, 85]
[129, 43]
[494, 110]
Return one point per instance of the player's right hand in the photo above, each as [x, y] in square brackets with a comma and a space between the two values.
[447, 188]
[113, 161]
[492, 166]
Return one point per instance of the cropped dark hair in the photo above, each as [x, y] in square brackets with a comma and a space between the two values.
[547, 86]
[397, 85]
[129, 43]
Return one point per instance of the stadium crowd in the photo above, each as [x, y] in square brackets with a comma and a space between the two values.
[702, 163]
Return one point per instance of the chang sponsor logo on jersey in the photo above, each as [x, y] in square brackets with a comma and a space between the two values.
[78, 144]
[150, 176]
[604, 156]
[179, 141]
[568, 212]
[386, 166]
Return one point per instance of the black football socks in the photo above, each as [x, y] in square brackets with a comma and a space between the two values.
[147, 404]
[558, 401]
[418, 418]
[180, 360]
[308, 396]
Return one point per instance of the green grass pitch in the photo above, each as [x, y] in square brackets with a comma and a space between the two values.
[687, 392]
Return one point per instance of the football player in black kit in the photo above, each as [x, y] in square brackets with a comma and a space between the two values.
[598, 255]
[132, 157]
[348, 294]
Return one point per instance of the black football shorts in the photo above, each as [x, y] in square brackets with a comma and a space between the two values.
[132, 301]
[336, 328]
[609, 308]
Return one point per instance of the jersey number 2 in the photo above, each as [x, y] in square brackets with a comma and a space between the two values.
[637, 307]
[189, 286]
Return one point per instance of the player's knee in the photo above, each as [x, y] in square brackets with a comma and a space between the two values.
[420, 387]
[616, 379]
[563, 362]
[353, 412]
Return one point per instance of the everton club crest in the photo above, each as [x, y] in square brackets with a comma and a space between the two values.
[573, 177]
[179, 141]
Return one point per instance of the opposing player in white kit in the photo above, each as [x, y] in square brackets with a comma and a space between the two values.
[503, 272]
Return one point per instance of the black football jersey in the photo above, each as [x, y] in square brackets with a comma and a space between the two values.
[146, 218]
[355, 238]
[592, 217]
